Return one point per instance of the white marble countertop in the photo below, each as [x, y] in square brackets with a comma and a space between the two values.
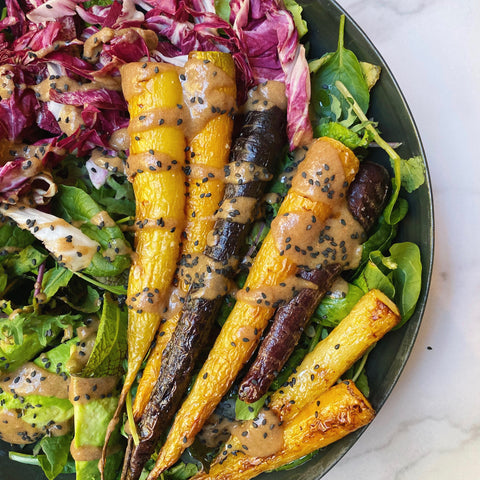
[429, 428]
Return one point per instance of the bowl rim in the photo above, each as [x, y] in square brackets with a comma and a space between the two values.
[427, 262]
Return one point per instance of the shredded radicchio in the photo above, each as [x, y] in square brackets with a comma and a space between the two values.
[46, 40]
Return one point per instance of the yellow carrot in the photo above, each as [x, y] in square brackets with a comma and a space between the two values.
[157, 156]
[335, 413]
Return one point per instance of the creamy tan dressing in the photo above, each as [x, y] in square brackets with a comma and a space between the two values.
[80, 353]
[32, 380]
[15, 430]
[112, 163]
[120, 140]
[238, 209]
[70, 119]
[262, 436]
[150, 161]
[305, 239]
[245, 172]
[102, 219]
[265, 96]
[83, 390]
[207, 274]
[273, 296]
[208, 92]
[7, 85]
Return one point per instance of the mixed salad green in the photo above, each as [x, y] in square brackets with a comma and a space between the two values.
[66, 216]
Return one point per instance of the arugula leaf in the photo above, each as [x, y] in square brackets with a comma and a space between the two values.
[44, 327]
[54, 279]
[116, 196]
[111, 343]
[343, 66]
[83, 298]
[27, 260]
[248, 411]
[56, 451]
[3, 279]
[384, 234]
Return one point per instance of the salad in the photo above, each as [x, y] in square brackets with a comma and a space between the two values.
[197, 256]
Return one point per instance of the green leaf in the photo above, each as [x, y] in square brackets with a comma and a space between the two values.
[181, 471]
[248, 411]
[343, 66]
[298, 462]
[373, 276]
[222, 8]
[54, 279]
[343, 134]
[25, 261]
[407, 277]
[56, 451]
[116, 289]
[296, 10]
[362, 383]
[3, 279]
[333, 309]
[413, 173]
[13, 236]
[110, 347]
[116, 196]
[86, 299]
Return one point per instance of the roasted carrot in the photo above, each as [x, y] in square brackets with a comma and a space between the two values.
[371, 318]
[252, 160]
[157, 155]
[207, 151]
[330, 416]
[366, 199]
[271, 279]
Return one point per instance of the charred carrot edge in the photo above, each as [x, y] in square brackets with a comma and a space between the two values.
[260, 140]
[210, 149]
[160, 198]
[330, 416]
[371, 318]
[245, 324]
[366, 199]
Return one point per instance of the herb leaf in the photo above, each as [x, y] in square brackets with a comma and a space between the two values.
[110, 346]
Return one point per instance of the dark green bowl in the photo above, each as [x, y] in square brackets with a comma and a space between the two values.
[389, 108]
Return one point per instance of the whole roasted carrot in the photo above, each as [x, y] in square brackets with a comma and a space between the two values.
[271, 280]
[330, 416]
[207, 154]
[252, 161]
[155, 167]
